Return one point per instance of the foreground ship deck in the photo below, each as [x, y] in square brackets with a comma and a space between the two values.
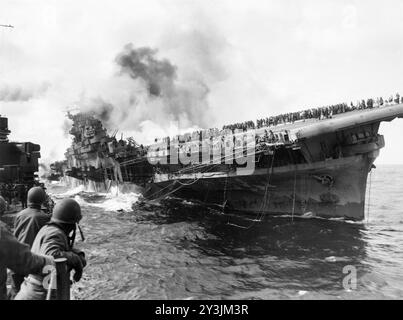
[309, 167]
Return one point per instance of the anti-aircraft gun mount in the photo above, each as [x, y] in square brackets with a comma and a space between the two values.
[18, 164]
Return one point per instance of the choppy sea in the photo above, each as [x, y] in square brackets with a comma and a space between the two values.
[176, 249]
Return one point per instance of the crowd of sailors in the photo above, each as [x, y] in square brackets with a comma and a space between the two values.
[17, 193]
[320, 113]
[240, 126]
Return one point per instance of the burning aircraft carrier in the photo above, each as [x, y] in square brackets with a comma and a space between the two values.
[309, 163]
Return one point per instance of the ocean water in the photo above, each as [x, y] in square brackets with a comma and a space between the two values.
[175, 249]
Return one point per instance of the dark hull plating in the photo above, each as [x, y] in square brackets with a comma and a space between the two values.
[334, 188]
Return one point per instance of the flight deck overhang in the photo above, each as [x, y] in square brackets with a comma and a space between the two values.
[350, 120]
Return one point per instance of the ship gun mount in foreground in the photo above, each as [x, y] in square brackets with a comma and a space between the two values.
[18, 164]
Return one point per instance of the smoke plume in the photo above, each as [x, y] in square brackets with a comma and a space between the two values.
[44, 170]
[101, 109]
[148, 92]
[141, 63]
[11, 93]
[168, 96]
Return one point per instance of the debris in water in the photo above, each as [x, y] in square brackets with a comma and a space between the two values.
[331, 259]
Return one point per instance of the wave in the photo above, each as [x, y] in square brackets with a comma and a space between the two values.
[69, 193]
[117, 198]
[113, 201]
[118, 202]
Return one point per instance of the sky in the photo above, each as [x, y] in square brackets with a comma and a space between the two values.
[254, 58]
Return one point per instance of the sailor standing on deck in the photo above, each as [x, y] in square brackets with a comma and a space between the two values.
[56, 239]
[16, 256]
[22, 195]
[27, 224]
[397, 99]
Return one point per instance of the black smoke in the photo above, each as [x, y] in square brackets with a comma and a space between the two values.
[141, 63]
[102, 109]
[108, 113]
[182, 99]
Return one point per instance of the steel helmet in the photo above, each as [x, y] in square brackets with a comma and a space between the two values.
[66, 211]
[36, 195]
[3, 205]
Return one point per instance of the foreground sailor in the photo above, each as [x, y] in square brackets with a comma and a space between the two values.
[27, 225]
[30, 220]
[56, 239]
[16, 256]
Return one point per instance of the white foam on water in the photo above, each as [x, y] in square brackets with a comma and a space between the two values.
[114, 201]
[331, 259]
[71, 192]
[119, 202]
[80, 200]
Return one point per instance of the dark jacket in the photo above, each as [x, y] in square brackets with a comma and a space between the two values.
[28, 222]
[17, 257]
[53, 241]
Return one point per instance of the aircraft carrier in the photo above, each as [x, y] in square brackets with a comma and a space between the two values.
[308, 166]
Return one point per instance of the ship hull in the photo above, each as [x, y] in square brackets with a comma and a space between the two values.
[313, 167]
[330, 189]
[333, 188]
